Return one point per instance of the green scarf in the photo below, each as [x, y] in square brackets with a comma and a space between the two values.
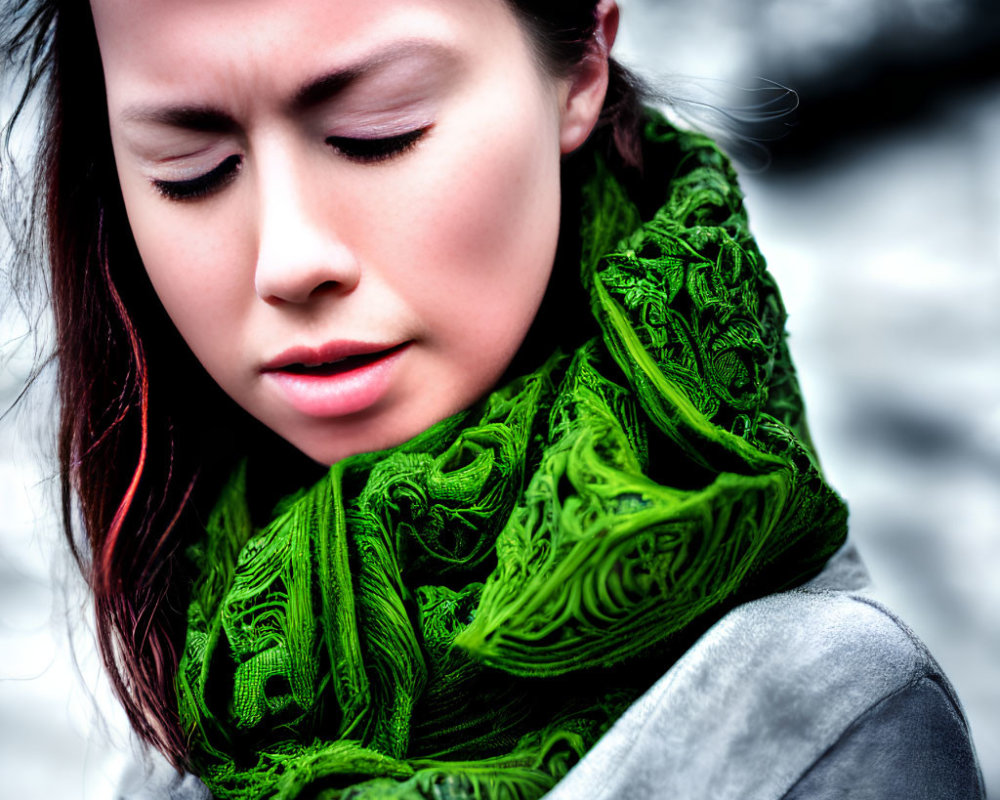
[464, 615]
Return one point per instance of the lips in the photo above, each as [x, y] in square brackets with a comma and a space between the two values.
[318, 364]
[335, 379]
[329, 354]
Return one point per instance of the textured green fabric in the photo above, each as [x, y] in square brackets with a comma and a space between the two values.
[464, 615]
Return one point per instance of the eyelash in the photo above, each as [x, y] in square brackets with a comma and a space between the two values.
[373, 151]
[202, 185]
[361, 150]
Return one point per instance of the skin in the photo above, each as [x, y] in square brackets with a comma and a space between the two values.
[446, 247]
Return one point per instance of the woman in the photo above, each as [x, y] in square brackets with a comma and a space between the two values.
[438, 249]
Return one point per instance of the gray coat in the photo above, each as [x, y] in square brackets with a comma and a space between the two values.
[816, 693]
[812, 694]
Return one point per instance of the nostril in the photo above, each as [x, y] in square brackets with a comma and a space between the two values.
[326, 287]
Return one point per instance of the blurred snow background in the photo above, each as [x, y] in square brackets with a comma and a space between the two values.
[879, 215]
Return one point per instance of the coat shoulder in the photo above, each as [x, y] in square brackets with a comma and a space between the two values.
[764, 696]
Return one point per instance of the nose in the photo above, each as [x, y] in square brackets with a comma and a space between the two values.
[299, 252]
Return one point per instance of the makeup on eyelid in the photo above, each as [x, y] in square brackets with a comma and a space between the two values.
[361, 149]
[368, 138]
[200, 185]
[371, 122]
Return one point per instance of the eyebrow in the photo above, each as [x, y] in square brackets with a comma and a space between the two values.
[208, 119]
[204, 119]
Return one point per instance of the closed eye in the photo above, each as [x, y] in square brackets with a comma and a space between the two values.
[372, 151]
[202, 185]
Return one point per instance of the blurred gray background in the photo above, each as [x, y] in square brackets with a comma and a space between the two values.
[879, 213]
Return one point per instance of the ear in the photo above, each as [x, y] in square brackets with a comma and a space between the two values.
[587, 85]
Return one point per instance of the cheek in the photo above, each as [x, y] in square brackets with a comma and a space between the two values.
[194, 269]
[485, 235]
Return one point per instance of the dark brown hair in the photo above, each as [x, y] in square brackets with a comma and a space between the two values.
[135, 451]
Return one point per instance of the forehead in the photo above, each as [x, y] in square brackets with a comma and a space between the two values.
[228, 45]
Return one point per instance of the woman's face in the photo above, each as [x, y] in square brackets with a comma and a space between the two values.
[349, 209]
